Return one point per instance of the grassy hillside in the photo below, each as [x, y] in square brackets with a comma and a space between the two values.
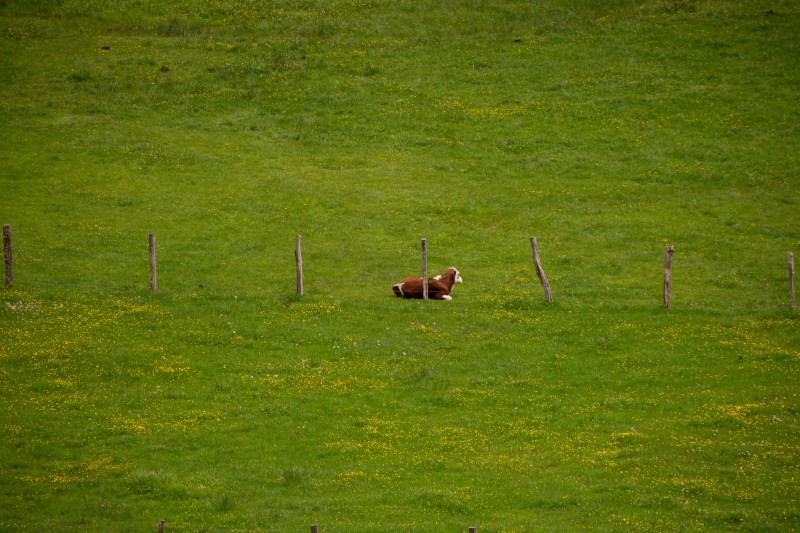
[225, 402]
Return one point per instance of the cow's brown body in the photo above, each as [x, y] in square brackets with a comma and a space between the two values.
[439, 288]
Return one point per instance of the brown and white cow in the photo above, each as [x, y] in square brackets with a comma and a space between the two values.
[439, 288]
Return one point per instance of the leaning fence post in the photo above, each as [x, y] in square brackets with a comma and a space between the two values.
[153, 271]
[668, 275]
[791, 280]
[7, 251]
[548, 295]
[298, 256]
[424, 269]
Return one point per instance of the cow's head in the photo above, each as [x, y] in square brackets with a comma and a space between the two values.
[451, 276]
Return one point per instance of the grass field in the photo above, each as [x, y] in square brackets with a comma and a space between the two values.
[224, 402]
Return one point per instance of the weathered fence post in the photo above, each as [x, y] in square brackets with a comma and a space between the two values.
[298, 256]
[473, 529]
[153, 270]
[424, 269]
[161, 526]
[791, 280]
[7, 251]
[668, 275]
[314, 528]
[548, 295]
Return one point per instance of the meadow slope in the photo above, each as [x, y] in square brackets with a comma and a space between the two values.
[225, 402]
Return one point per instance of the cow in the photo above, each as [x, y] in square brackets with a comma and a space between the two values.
[439, 287]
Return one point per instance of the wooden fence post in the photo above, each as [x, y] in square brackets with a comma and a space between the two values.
[791, 280]
[7, 251]
[548, 295]
[161, 526]
[153, 270]
[314, 528]
[473, 529]
[668, 275]
[298, 255]
[424, 269]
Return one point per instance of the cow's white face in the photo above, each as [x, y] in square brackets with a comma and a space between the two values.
[456, 276]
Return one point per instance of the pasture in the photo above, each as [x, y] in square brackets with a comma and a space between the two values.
[225, 402]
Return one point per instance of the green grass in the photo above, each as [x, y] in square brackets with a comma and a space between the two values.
[224, 402]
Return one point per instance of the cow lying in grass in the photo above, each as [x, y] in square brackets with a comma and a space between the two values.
[439, 288]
